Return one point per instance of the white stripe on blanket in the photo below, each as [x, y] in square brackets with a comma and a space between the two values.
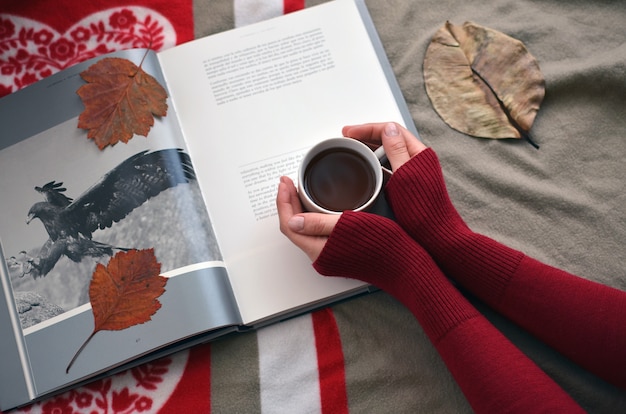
[252, 11]
[288, 367]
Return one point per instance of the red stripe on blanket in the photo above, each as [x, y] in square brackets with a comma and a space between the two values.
[292, 5]
[332, 375]
[193, 392]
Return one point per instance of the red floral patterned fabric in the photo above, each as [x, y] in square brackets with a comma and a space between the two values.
[36, 42]
[133, 391]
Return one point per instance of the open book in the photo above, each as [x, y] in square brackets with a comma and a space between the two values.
[244, 106]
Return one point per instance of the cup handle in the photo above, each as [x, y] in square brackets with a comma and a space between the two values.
[382, 157]
[380, 154]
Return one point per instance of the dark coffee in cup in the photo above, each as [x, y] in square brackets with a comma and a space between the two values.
[339, 179]
[339, 174]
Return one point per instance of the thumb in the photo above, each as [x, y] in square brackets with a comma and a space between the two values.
[395, 145]
[313, 224]
[400, 144]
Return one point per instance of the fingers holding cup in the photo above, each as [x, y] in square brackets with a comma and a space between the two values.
[310, 235]
[399, 143]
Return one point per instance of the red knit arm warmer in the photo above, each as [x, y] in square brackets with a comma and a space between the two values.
[492, 373]
[580, 318]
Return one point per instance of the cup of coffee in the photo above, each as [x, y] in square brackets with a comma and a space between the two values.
[339, 174]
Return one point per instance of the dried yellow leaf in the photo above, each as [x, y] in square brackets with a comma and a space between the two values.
[482, 82]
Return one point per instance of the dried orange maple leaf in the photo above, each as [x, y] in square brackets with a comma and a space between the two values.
[125, 292]
[120, 100]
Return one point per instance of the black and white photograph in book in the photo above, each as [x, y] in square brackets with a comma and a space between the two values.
[80, 213]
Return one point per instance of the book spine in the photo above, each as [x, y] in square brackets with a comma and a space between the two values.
[17, 385]
[386, 66]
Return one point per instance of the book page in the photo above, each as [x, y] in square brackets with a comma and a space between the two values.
[48, 271]
[251, 102]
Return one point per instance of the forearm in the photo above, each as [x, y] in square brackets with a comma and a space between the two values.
[554, 305]
[493, 374]
[376, 250]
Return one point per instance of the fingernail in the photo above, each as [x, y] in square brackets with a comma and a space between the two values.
[391, 129]
[296, 223]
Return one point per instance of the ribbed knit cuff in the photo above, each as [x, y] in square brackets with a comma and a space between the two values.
[419, 198]
[420, 201]
[377, 251]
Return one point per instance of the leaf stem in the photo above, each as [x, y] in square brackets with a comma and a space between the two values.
[143, 58]
[530, 140]
[522, 132]
[67, 370]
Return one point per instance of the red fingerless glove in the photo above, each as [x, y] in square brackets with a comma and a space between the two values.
[492, 373]
[377, 251]
[580, 318]
[419, 199]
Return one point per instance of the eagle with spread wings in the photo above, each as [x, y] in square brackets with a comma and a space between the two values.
[70, 223]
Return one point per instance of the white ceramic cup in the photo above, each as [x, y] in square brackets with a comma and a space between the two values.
[371, 163]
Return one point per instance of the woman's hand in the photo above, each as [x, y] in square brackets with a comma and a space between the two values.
[399, 143]
[308, 231]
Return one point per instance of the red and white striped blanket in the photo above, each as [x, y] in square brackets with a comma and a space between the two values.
[369, 354]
